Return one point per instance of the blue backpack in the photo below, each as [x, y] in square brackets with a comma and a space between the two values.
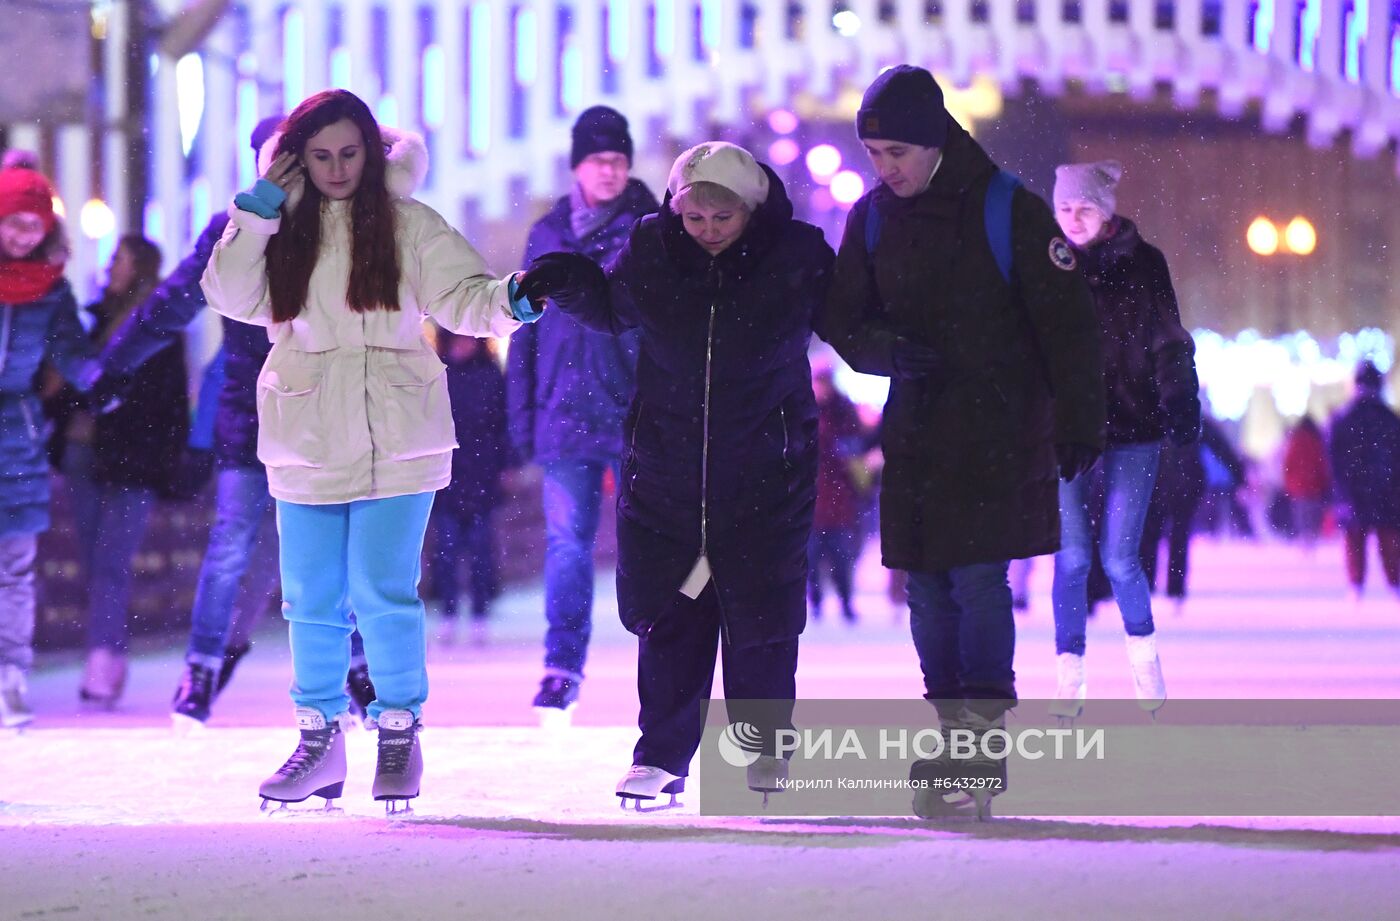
[996, 216]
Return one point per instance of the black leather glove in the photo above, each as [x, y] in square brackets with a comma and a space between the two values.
[556, 275]
[1184, 426]
[1075, 460]
[913, 359]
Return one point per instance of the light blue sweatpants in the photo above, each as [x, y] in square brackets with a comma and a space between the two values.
[362, 556]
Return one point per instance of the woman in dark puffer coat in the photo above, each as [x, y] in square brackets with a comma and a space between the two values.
[719, 459]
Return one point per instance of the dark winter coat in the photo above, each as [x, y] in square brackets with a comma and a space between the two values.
[141, 442]
[1148, 357]
[970, 470]
[162, 318]
[1365, 452]
[840, 441]
[478, 393]
[721, 435]
[569, 386]
[1305, 463]
[29, 333]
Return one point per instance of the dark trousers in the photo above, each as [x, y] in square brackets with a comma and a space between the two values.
[459, 533]
[839, 548]
[1389, 540]
[676, 670]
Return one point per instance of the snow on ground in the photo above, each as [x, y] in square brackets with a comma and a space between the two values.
[107, 815]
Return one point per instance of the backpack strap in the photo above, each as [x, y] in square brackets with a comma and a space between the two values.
[997, 217]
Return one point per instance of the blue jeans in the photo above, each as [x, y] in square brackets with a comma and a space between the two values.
[965, 635]
[572, 492]
[1128, 474]
[112, 521]
[242, 506]
[457, 534]
[364, 555]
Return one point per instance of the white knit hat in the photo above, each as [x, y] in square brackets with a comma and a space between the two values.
[724, 164]
[1096, 183]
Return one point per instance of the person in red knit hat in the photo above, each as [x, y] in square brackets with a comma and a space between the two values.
[38, 321]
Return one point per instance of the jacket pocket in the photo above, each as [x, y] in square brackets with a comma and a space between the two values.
[289, 421]
[417, 410]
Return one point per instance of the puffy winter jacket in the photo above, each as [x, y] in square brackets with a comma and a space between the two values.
[355, 405]
[1148, 357]
[29, 333]
[569, 386]
[162, 318]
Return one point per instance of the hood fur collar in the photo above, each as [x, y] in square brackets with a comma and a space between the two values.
[405, 171]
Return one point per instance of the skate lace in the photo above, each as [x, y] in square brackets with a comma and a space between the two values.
[642, 772]
[303, 759]
[395, 748]
[197, 684]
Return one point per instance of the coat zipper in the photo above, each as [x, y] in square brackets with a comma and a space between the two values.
[782, 416]
[5, 336]
[705, 467]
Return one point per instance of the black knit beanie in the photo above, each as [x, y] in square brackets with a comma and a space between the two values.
[600, 130]
[904, 104]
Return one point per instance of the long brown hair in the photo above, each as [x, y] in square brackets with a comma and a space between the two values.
[292, 251]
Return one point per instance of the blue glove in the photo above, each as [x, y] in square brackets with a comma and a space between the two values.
[263, 199]
[520, 306]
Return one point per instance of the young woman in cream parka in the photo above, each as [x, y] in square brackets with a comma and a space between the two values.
[328, 251]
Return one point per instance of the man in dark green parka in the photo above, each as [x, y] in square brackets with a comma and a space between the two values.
[997, 379]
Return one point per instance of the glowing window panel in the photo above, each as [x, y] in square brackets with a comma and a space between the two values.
[526, 51]
[665, 37]
[1355, 37]
[479, 78]
[387, 111]
[434, 78]
[1308, 27]
[571, 74]
[199, 205]
[710, 23]
[340, 68]
[293, 59]
[153, 222]
[619, 27]
[846, 23]
[189, 95]
[1263, 25]
[1395, 61]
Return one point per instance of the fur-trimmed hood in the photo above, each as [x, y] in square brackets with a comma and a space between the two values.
[407, 155]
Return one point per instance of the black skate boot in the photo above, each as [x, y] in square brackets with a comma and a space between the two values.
[232, 654]
[189, 709]
[399, 772]
[316, 768]
[555, 702]
[361, 691]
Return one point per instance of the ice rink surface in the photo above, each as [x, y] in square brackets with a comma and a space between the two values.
[108, 815]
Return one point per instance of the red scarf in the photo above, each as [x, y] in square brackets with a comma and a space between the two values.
[25, 280]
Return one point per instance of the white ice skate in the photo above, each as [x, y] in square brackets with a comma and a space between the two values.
[14, 702]
[1148, 682]
[1070, 689]
[316, 768]
[768, 774]
[644, 783]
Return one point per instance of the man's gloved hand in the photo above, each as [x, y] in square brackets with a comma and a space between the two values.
[913, 359]
[1184, 426]
[556, 275]
[1075, 460]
